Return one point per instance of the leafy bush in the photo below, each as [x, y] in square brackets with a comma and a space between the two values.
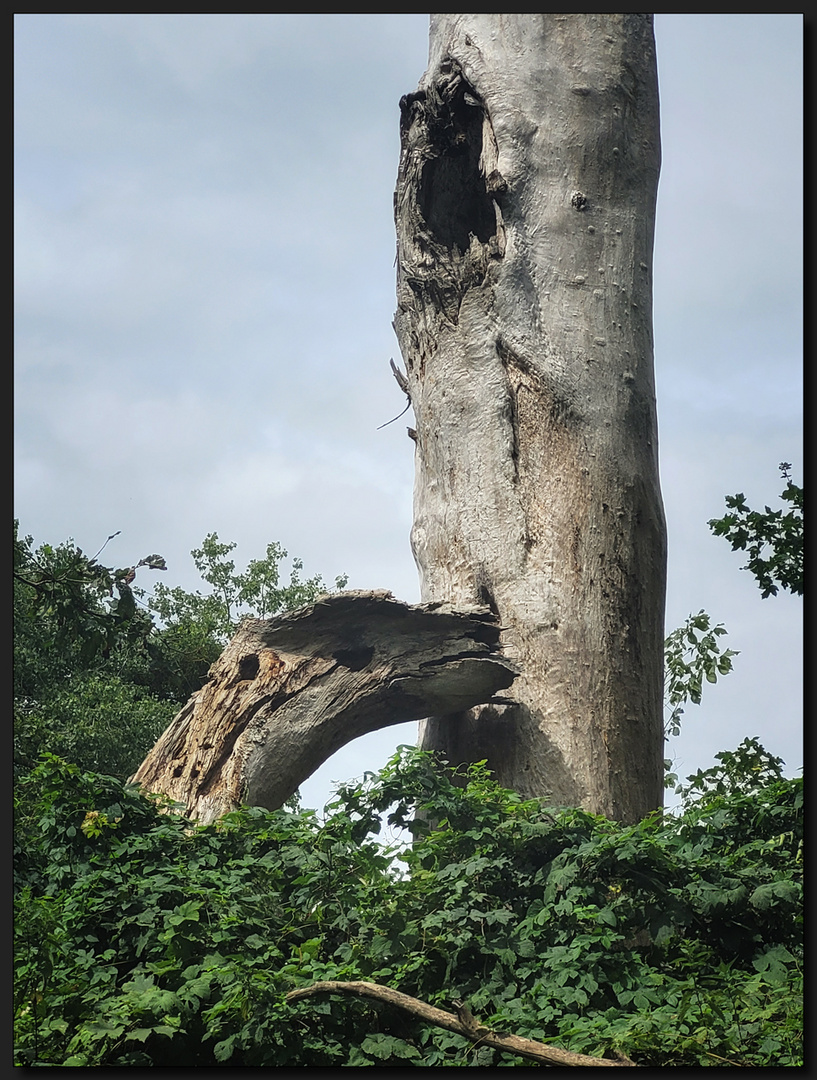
[96, 677]
[143, 940]
[98, 719]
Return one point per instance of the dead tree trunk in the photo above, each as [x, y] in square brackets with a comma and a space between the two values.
[288, 692]
[525, 209]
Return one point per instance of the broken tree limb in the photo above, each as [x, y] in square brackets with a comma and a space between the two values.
[288, 692]
[463, 1023]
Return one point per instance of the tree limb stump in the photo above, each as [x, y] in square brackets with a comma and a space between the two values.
[463, 1023]
[288, 692]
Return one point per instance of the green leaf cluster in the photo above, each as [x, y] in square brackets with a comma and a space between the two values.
[773, 539]
[144, 940]
[80, 635]
[692, 652]
[69, 610]
[100, 668]
[692, 656]
[256, 591]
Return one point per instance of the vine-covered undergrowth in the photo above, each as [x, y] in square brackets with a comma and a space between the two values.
[144, 940]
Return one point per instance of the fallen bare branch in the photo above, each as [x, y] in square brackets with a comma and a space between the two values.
[463, 1023]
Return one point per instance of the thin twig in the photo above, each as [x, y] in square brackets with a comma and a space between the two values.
[111, 537]
[402, 382]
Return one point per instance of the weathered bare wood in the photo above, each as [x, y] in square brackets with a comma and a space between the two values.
[463, 1023]
[288, 692]
[524, 209]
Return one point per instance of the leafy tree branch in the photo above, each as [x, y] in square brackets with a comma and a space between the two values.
[773, 539]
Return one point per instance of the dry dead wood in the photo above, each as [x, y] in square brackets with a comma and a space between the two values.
[288, 692]
[463, 1023]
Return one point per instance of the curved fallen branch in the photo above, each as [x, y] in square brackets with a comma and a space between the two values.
[463, 1023]
[288, 692]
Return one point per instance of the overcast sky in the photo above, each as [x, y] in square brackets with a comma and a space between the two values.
[205, 288]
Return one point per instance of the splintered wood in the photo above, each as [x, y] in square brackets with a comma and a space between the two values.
[288, 692]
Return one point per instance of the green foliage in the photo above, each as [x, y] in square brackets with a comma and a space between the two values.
[96, 679]
[692, 655]
[78, 627]
[747, 770]
[143, 940]
[257, 591]
[773, 539]
[69, 611]
[97, 719]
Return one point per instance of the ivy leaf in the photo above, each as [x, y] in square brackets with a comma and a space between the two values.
[767, 896]
[223, 1050]
[387, 1046]
[140, 1034]
[773, 963]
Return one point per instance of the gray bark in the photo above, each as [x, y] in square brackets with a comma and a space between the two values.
[288, 692]
[525, 210]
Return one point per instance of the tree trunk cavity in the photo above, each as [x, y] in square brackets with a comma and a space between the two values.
[525, 208]
[288, 692]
